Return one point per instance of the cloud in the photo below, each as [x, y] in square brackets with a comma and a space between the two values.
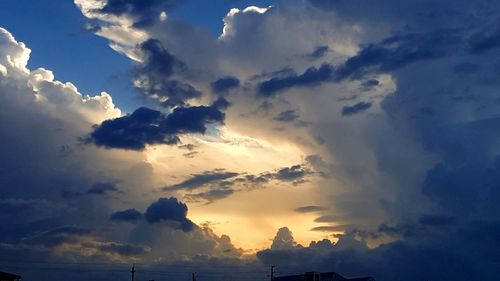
[57, 236]
[199, 180]
[287, 116]
[153, 75]
[311, 77]
[452, 188]
[134, 131]
[326, 218]
[169, 210]
[224, 84]
[484, 40]
[284, 240]
[124, 249]
[370, 84]
[129, 215]
[355, 109]
[330, 228]
[102, 188]
[146, 126]
[218, 184]
[390, 54]
[426, 152]
[310, 209]
[394, 52]
[210, 196]
[44, 211]
[319, 52]
[293, 173]
[351, 257]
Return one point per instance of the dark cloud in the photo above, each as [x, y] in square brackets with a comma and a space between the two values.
[146, 126]
[310, 209]
[355, 109]
[398, 51]
[219, 184]
[471, 188]
[311, 77]
[330, 228]
[102, 188]
[210, 195]
[130, 215]
[485, 40]
[154, 75]
[224, 84]
[199, 180]
[189, 146]
[319, 52]
[460, 255]
[293, 173]
[133, 131]
[158, 61]
[390, 54]
[175, 91]
[287, 116]
[169, 210]
[369, 84]
[221, 103]
[123, 249]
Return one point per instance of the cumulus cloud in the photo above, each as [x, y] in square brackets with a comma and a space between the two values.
[45, 213]
[169, 209]
[415, 179]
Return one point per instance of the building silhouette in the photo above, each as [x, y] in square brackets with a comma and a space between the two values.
[4, 276]
[316, 276]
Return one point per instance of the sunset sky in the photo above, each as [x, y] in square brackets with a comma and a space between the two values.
[225, 136]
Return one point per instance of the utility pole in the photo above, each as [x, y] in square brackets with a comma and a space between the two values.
[272, 272]
[132, 272]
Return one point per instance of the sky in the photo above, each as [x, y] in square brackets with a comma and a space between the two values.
[222, 137]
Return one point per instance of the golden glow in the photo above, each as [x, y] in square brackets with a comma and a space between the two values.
[250, 217]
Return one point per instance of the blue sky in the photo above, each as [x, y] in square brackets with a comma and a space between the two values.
[60, 42]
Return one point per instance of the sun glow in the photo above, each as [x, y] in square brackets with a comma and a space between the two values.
[249, 216]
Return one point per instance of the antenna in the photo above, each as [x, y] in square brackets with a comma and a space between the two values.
[272, 272]
[132, 272]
